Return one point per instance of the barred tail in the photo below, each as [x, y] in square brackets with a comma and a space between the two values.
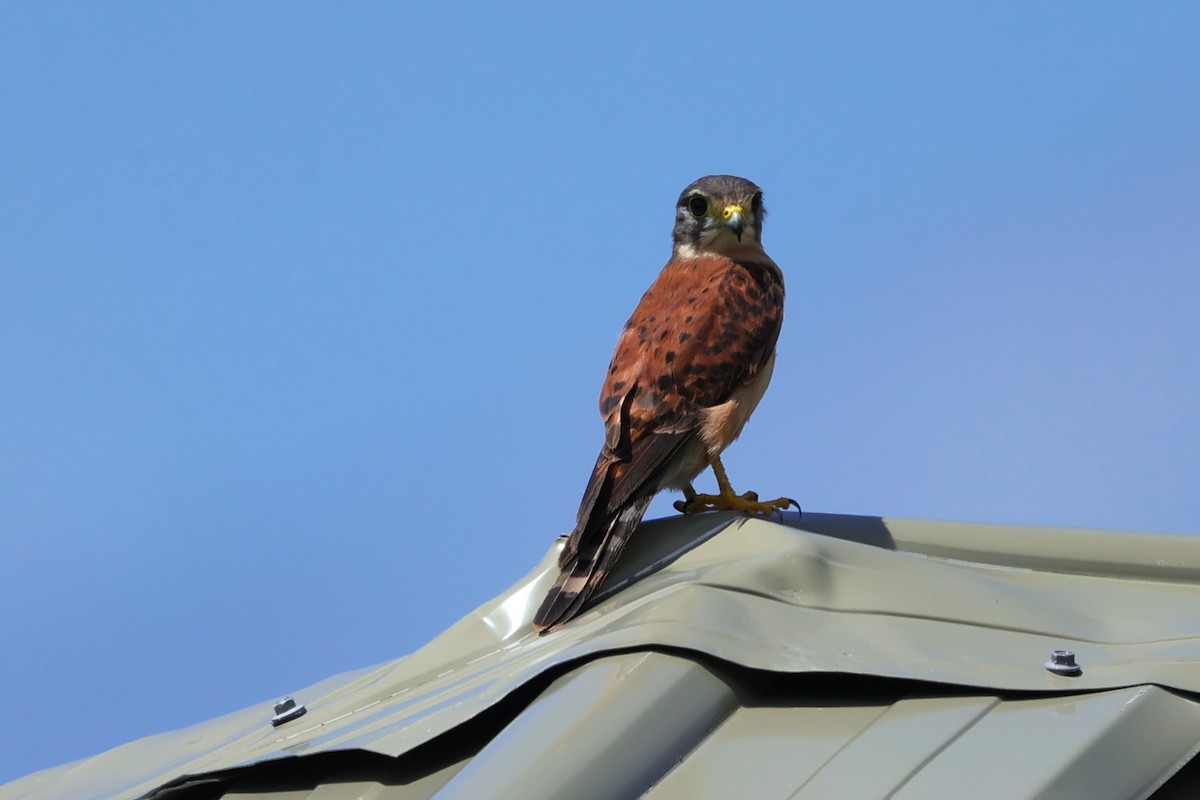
[586, 570]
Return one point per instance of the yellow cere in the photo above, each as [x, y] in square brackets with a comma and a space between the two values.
[731, 210]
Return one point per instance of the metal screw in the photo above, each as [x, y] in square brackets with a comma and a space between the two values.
[1062, 662]
[286, 710]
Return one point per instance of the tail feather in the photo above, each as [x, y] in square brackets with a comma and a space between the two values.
[616, 499]
[579, 579]
[595, 502]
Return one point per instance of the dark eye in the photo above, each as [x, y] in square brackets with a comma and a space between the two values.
[698, 206]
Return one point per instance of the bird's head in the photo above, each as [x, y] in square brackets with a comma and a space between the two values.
[719, 215]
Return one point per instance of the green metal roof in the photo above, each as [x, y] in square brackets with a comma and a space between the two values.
[832, 656]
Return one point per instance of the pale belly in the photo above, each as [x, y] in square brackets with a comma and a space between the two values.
[720, 426]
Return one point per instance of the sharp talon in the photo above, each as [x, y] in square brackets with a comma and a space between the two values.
[751, 496]
[680, 506]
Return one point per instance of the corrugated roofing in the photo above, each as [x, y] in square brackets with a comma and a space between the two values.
[832, 656]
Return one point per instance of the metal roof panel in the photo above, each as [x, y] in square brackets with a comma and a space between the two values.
[698, 615]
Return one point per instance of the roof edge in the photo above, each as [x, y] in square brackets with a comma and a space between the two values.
[1083, 551]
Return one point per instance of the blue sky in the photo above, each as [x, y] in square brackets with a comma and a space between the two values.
[304, 307]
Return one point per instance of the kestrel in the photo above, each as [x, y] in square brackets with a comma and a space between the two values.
[691, 365]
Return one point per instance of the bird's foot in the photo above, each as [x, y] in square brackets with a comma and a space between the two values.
[747, 503]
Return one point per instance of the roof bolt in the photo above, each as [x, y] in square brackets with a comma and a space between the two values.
[286, 710]
[1062, 662]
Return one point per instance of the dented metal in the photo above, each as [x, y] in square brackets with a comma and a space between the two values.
[707, 668]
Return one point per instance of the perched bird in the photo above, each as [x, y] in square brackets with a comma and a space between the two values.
[691, 364]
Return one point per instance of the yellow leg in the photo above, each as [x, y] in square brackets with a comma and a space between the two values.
[728, 500]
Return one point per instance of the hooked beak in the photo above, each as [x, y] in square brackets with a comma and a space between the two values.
[733, 220]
